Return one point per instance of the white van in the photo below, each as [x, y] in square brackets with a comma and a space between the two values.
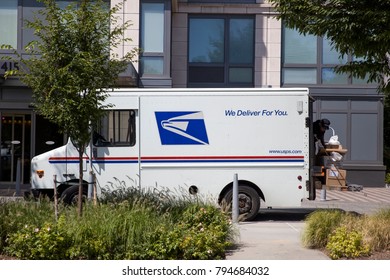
[196, 140]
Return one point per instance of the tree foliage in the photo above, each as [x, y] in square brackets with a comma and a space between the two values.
[72, 66]
[72, 63]
[360, 28]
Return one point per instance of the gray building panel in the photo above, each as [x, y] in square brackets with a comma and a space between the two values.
[357, 118]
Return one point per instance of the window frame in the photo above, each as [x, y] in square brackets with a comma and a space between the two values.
[320, 67]
[223, 1]
[226, 66]
[18, 27]
[111, 126]
[165, 54]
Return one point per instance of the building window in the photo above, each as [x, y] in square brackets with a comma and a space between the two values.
[311, 60]
[152, 38]
[220, 51]
[223, 1]
[299, 49]
[9, 22]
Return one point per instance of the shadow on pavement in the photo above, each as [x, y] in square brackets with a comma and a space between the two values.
[285, 214]
[290, 214]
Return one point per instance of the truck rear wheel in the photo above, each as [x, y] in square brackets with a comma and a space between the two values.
[71, 195]
[248, 201]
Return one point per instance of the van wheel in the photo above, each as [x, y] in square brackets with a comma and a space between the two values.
[70, 196]
[248, 202]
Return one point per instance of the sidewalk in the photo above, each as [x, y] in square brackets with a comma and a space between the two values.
[9, 190]
[280, 238]
[273, 240]
[367, 201]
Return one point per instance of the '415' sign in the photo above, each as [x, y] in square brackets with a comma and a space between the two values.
[8, 65]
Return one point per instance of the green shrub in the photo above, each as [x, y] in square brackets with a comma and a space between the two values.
[48, 242]
[346, 235]
[128, 224]
[111, 231]
[387, 178]
[346, 244]
[319, 225]
[16, 214]
[203, 233]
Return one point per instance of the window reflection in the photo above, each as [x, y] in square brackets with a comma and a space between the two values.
[206, 42]
[116, 129]
[221, 51]
[8, 22]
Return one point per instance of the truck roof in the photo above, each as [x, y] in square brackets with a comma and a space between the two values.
[209, 91]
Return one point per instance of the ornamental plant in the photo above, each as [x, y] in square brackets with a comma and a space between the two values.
[202, 233]
[130, 224]
[49, 242]
[344, 243]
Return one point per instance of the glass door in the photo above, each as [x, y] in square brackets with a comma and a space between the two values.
[15, 136]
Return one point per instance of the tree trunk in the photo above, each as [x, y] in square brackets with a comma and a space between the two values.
[80, 198]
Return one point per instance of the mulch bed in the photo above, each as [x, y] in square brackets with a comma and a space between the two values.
[377, 256]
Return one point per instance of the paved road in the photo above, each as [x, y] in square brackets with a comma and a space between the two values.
[276, 234]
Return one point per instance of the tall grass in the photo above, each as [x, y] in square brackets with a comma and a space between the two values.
[323, 225]
[162, 199]
[376, 230]
[319, 225]
[110, 231]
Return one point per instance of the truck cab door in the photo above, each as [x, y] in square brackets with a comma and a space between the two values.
[115, 151]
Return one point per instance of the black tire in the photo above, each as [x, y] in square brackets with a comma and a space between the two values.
[70, 195]
[248, 202]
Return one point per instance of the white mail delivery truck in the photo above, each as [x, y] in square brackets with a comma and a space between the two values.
[195, 140]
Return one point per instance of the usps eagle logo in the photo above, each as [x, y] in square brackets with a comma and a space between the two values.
[182, 128]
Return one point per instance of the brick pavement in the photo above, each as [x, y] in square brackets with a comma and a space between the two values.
[366, 201]
[376, 195]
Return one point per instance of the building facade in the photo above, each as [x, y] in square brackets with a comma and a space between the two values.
[207, 43]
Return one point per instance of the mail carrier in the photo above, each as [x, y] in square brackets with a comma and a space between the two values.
[195, 140]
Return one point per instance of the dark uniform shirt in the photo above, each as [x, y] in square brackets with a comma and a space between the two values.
[318, 132]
